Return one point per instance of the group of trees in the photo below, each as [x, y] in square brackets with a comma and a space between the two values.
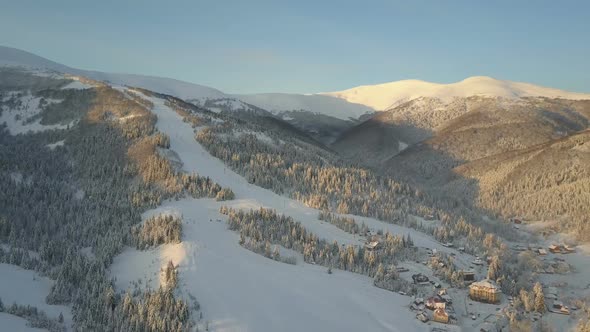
[265, 225]
[157, 230]
[346, 224]
[444, 266]
[36, 318]
[533, 300]
[44, 213]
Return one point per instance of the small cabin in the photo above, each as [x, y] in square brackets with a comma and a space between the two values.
[419, 278]
[373, 245]
[554, 249]
[560, 308]
[422, 317]
[568, 249]
[435, 302]
[468, 276]
[440, 315]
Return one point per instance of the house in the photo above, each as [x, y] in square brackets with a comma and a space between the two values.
[418, 301]
[435, 302]
[440, 315]
[421, 316]
[559, 308]
[485, 291]
[477, 261]
[568, 249]
[419, 278]
[372, 245]
[468, 276]
[415, 307]
[554, 249]
[542, 252]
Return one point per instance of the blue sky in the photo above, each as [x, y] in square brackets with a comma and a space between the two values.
[310, 46]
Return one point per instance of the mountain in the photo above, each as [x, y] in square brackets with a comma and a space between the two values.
[385, 96]
[499, 152]
[324, 117]
[15, 57]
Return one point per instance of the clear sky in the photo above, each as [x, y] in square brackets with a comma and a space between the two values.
[310, 45]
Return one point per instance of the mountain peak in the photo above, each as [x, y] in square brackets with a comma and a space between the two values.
[387, 95]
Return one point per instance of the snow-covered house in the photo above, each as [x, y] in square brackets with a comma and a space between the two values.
[485, 291]
[435, 302]
[440, 315]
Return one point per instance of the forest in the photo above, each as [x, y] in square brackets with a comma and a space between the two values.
[90, 192]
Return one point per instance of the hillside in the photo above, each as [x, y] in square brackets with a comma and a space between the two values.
[546, 182]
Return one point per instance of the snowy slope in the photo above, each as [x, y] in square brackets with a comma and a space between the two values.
[387, 95]
[16, 324]
[327, 105]
[26, 287]
[243, 291]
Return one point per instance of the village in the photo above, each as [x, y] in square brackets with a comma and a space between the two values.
[480, 305]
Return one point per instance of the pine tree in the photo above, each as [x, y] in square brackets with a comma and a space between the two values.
[494, 268]
[539, 298]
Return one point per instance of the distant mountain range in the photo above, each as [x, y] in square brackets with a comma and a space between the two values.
[351, 103]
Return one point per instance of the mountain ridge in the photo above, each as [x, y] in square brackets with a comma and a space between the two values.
[346, 104]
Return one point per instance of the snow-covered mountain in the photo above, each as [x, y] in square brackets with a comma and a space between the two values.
[205, 96]
[381, 97]
[15, 57]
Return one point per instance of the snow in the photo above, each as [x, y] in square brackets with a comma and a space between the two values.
[16, 324]
[322, 104]
[52, 146]
[30, 108]
[402, 146]
[243, 291]
[384, 96]
[77, 85]
[26, 287]
[232, 104]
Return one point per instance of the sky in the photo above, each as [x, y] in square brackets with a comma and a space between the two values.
[307, 46]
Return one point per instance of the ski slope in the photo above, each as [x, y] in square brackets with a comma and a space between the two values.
[243, 291]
